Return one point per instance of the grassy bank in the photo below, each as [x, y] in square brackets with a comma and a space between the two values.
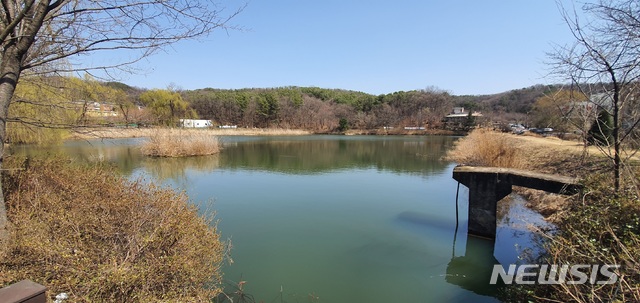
[597, 226]
[88, 232]
[114, 132]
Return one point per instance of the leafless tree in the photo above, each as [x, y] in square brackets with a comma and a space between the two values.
[604, 65]
[46, 36]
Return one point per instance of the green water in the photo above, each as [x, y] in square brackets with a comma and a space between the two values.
[333, 218]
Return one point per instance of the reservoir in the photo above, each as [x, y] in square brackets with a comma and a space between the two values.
[334, 218]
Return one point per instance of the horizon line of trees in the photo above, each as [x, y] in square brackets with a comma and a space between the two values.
[311, 108]
[69, 101]
[319, 109]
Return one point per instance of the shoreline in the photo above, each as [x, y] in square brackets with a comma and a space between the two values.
[117, 133]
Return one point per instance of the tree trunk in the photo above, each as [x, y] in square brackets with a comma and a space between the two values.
[9, 75]
[12, 53]
[616, 140]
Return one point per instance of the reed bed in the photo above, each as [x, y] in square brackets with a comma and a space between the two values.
[180, 143]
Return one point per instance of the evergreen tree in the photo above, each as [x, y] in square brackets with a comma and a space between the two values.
[601, 132]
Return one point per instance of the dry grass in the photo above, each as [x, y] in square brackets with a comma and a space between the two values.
[180, 143]
[113, 132]
[541, 154]
[551, 206]
[600, 228]
[90, 233]
[488, 148]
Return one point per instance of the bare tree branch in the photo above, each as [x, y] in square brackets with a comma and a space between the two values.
[45, 36]
[605, 59]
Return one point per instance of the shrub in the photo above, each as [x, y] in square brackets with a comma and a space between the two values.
[88, 232]
[343, 125]
[180, 143]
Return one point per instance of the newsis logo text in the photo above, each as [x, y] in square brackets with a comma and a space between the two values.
[555, 274]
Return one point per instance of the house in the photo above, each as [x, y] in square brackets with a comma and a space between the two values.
[459, 112]
[458, 118]
[96, 109]
[195, 123]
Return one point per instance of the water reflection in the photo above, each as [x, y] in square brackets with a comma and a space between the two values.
[291, 155]
[472, 271]
[177, 168]
[318, 154]
[124, 154]
[470, 262]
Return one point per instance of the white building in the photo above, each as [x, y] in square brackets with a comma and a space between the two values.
[459, 112]
[195, 123]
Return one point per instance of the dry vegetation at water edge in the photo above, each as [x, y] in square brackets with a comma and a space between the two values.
[180, 143]
[484, 147]
[487, 148]
[88, 232]
[598, 226]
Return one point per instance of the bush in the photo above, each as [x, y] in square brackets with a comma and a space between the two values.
[180, 143]
[343, 125]
[90, 233]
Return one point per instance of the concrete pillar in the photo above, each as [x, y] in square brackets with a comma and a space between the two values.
[484, 193]
[485, 190]
[488, 185]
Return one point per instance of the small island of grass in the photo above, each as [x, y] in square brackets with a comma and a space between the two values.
[180, 143]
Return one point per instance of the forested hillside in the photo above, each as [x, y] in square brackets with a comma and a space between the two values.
[322, 110]
[319, 109]
[87, 102]
[514, 105]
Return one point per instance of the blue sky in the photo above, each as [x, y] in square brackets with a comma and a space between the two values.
[378, 47]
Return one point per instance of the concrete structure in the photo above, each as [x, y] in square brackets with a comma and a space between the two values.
[488, 185]
[24, 291]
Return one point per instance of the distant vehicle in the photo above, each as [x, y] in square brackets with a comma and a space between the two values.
[541, 130]
[517, 129]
